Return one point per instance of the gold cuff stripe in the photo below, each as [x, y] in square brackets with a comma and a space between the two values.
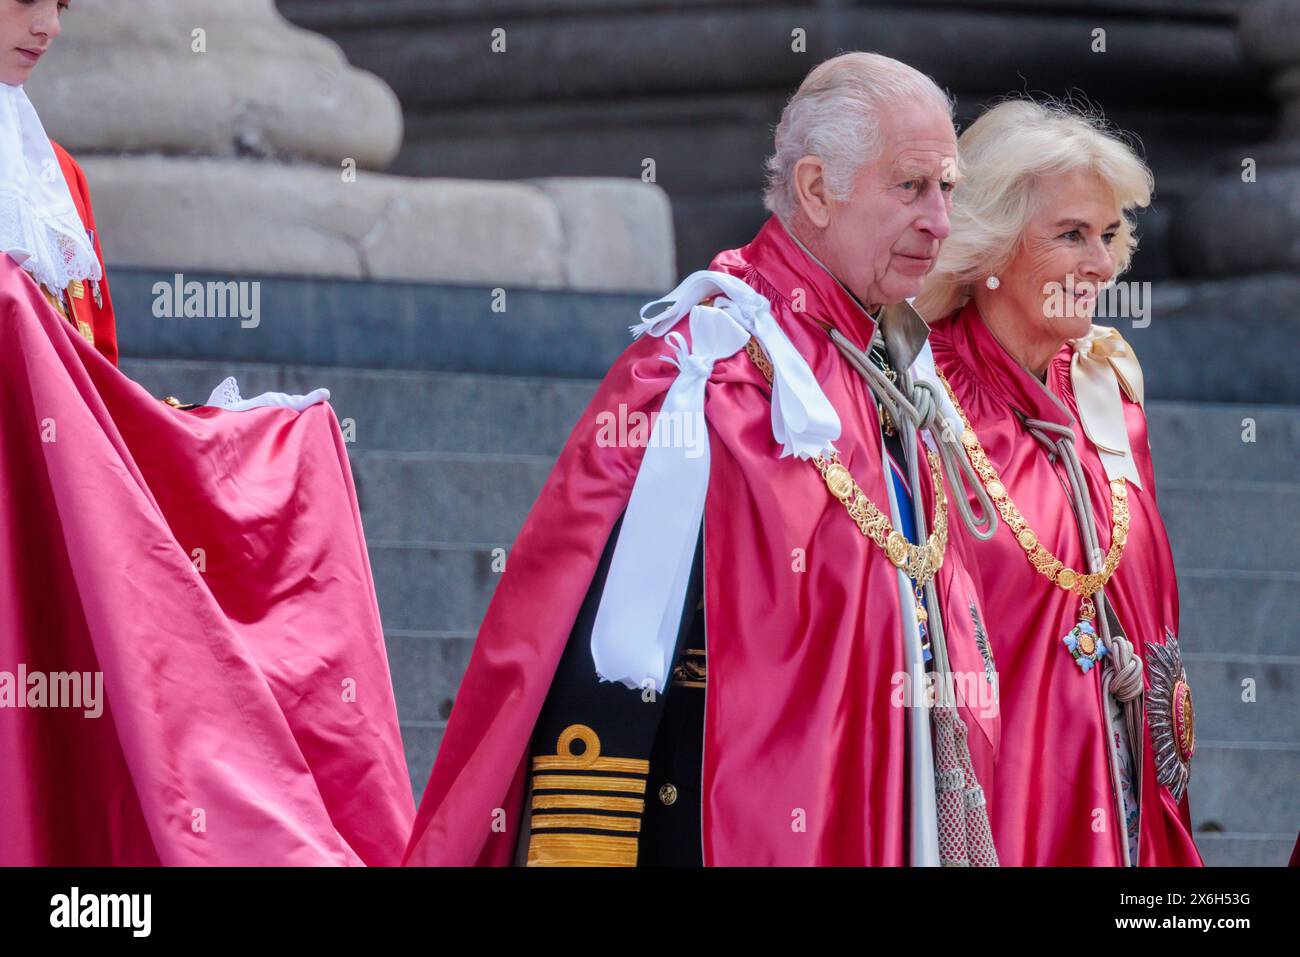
[596, 822]
[578, 782]
[557, 762]
[594, 802]
[581, 850]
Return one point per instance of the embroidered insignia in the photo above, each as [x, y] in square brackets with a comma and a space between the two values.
[586, 808]
[1173, 723]
[1085, 645]
[982, 642]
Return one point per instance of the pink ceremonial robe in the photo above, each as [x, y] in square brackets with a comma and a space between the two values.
[805, 753]
[210, 565]
[1053, 781]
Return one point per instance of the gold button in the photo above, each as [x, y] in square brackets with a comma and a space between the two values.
[668, 794]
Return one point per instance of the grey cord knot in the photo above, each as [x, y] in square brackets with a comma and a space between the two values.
[917, 404]
[1126, 669]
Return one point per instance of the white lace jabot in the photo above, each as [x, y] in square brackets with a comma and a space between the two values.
[39, 225]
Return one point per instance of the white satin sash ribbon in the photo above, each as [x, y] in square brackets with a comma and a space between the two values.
[1103, 364]
[640, 612]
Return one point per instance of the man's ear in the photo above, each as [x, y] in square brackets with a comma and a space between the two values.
[810, 190]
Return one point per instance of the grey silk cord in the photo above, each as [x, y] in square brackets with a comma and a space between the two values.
[920, 406]
[1123, 668]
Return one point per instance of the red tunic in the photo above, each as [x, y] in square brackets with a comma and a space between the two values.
[99, 315]
[805, 753]
[1053, 772]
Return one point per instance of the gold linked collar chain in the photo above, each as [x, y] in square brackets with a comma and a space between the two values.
[1056, 571]
[918, 562]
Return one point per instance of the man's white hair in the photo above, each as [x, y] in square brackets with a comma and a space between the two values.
[835, 115]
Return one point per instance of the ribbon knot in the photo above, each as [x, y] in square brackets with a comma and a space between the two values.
[690, 363]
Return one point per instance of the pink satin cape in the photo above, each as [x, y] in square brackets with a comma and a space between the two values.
[1053, 771]
[250, 717]
[804, 751]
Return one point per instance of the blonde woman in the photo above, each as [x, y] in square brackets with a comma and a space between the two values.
[1079, 584]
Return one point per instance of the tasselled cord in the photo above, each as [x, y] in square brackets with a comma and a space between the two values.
[1123, 668]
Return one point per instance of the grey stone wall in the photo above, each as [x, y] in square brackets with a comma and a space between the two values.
[595, 87]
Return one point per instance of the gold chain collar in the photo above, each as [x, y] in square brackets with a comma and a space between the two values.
[1056, 571]
[918, 562]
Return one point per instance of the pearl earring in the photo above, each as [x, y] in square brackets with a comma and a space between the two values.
[992, 282]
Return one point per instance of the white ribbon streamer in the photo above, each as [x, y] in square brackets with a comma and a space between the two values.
[635, 631]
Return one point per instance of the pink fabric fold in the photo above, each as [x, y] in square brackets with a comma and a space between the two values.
[212, 566]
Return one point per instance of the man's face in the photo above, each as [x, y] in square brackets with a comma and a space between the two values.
[883, 241]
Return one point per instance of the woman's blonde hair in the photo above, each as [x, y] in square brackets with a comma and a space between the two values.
[1002, 157]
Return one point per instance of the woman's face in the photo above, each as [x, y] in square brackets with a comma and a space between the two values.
[27, 28]
[1065, 255]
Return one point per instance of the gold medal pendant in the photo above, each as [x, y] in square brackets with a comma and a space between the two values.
[1083, 642]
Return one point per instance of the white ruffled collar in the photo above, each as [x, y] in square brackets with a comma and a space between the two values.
[40, 228]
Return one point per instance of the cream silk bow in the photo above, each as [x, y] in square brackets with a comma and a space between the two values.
[1102, 365]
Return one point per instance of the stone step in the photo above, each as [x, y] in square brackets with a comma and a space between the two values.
[1220, 692]
[1192, 440]
[420, 743]
[447, 496]
[402, 411]
[427, 669]
[406, 411]
[484, 498]
[1237, 612]
[1245, 786]
[1207, 333]
[431, 586]
[1229, 849]
[388, 325]
[1235, 525]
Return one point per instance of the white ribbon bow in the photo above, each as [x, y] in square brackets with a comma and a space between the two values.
[640, 612]
[1103, 364]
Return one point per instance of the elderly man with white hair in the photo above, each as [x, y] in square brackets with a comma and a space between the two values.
[738, 626]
